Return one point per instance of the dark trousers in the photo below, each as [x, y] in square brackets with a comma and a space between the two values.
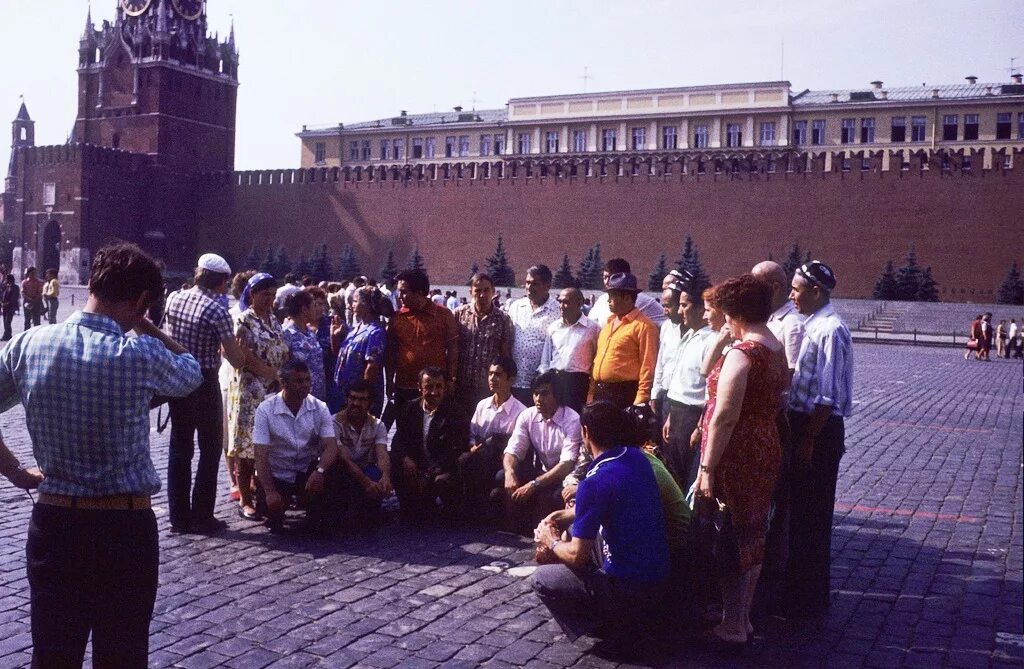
[418, 494]
[201, 413]
[593, 603]
[91, 572]
[321, 510]
[33, 313]
[681, 460]
[8, 321]
[477, 470]
[401, 396]
[572, 388]
[812, 498]
[353, 498]
[621, 393]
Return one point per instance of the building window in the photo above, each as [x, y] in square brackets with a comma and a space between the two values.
[800, 132]
[970, 126]
[768, 133]
[397, 149]
[608, 140]
[700, 137]
[849, 127]
[417, 147]
[917, 128]
[524, 142]
[320, 152]
[818, 131]
[1007, 161]
[579, 141]
[385, 149]
[485, 145]
[965, 164]
[1004, 122]
[898, 129]
[867, 131]
[499, 144]
[430, 147]
[949, 128]
[639, 139]
[845, 165]
[551, 141]
[449, 146]
[353, 150]
[668, 137]
[733, 134]
[1020, 125]
[865, 164]
[463, 145]
[366, 149]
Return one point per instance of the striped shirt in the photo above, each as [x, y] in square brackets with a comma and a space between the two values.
[197, 321]
[86, 387]
[824, 370]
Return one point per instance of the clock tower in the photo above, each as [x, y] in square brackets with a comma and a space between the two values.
[155, 82]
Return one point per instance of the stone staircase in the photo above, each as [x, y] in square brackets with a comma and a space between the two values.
[883, 319]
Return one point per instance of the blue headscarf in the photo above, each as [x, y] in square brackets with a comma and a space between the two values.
[259, 277]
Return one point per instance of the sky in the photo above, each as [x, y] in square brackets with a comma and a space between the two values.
[328, 61]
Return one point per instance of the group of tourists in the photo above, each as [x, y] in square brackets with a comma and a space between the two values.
[36, 298]
[633, 443]
[1007, 336]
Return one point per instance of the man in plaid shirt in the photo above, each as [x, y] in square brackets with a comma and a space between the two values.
[93, 550]
[199, 319]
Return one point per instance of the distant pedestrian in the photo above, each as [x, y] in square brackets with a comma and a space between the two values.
[10, 299]
[51, 295]
[1012, 333]
[32, 298]
[985, 337]
[974, 338]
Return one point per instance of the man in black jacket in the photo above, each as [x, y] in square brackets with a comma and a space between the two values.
[431, 433]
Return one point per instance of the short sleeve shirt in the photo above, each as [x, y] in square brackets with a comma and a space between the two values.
[199, 322]
[293, 439]
[531, 331]
[361, 445]
[421, 339]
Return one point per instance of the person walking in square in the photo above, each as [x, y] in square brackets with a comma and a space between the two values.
[32, 298]
[10, 299]
[51, 296]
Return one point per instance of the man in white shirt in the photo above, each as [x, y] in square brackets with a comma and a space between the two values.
[295, 447]
[686, 389]
[540, 454]
[786, 323]
[569, 348]
[292, 285]
[531, 315]
[453, 300]
[1011, 338]
[363, 450]
[668, 347]
[648, 306]
[489, 432]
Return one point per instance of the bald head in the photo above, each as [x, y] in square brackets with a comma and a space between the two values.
[774, 275]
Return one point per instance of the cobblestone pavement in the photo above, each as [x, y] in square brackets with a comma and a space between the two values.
[927, 559]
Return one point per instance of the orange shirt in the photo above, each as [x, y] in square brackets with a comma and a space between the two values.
[427, 338]
[628, 352]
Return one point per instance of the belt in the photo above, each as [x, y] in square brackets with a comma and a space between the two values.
[615, 384]
[107, 503]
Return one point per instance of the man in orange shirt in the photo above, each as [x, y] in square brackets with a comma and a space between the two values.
[627, 348]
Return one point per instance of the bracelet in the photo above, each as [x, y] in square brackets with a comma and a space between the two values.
[704, 468]
[553, 544]
[535, 483]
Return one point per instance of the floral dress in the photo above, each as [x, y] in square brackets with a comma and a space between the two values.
[305, 346]
[247, 390]
[745, 475]
[363, 343]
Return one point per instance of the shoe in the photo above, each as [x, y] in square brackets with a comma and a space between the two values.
[234, 495]
[176, 530]
[248, 513]
[208, 526]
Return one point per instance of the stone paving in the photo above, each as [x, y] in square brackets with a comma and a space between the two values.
[927, 564]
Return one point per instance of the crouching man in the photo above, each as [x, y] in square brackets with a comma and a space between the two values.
[295, 447]
[365, 473]
[619, 501]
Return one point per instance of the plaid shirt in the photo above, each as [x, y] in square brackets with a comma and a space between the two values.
[824, 370]
[197, 321]
[86, 387]
[480, 339]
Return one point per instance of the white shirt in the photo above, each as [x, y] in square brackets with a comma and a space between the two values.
[824, 371]
[293, 439]
[453, 303]
[647, 305]
[555, 440]
[687, 385]
[531, 330]
[490, 418]
[438, 300]
[668, 348]
[1012, 331]
[787, 325]
[570, 348]
[283, 292]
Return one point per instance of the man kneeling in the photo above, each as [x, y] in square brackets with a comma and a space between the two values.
[295, 447]
[363, 448]
[618, 500]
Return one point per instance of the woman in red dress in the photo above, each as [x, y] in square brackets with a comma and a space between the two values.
[741, 451]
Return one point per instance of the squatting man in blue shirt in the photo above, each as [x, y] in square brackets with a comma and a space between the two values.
[617, 502]
[86, 386]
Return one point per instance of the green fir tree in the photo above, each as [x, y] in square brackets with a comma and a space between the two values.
[389, 270]
[473, 269]
[349, 267]
[416, 260]
[1011, 290]
[282, 265]
[320, 264]
[885, 287]
[268, 262]
[689, 262]
[928, 289]
[498, 268]
[657, 275]
[302, 267]
[794, 260]
[908, 278]
[563, 276]
[254, 259]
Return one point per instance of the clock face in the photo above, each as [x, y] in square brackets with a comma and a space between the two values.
[135, 7]
[189, 9]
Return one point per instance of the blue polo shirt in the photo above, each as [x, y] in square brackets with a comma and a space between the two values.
[619, 498]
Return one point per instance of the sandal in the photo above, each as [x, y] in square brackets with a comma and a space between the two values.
[248, 513]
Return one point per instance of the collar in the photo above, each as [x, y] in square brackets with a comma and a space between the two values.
[556, 417]
[633, 315]
[504, 406]
[341, 418]
[281, 408]
[822, 313]
[579, 322]
[96, 322]
[783, 311]
[609, 455]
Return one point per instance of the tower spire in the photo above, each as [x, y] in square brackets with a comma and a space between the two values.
[90, 30]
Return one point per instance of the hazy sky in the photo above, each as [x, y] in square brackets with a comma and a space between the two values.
[325, 61]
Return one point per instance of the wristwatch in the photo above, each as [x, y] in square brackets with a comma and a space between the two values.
[535, 483]
[321, 470]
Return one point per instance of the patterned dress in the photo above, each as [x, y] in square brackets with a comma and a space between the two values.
[247, 390]
[745, 476]
[305, 346]
[364, 343]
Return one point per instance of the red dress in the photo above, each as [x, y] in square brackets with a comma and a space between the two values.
[744, 479]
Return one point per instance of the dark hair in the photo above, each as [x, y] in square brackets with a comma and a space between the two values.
[691, 290]
[481, 276]
[540, 272]
[296, 302]
[316, 292]
[292, 365]
[548, 378]
[9, 278]
[290, 277]
[618, 266]
[431, 372]
[416, 279]
[208, 280]
[122, 272]
[746, 298]
[361, 386]
[507, 363]
[606, 423]
[238, 282]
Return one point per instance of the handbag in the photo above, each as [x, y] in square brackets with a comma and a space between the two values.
[715, 535]
[972, 344]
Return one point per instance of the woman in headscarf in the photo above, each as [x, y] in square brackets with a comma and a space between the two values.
[260, 336]
[361, 352]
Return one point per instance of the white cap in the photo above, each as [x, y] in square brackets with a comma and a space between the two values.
[213, 263]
